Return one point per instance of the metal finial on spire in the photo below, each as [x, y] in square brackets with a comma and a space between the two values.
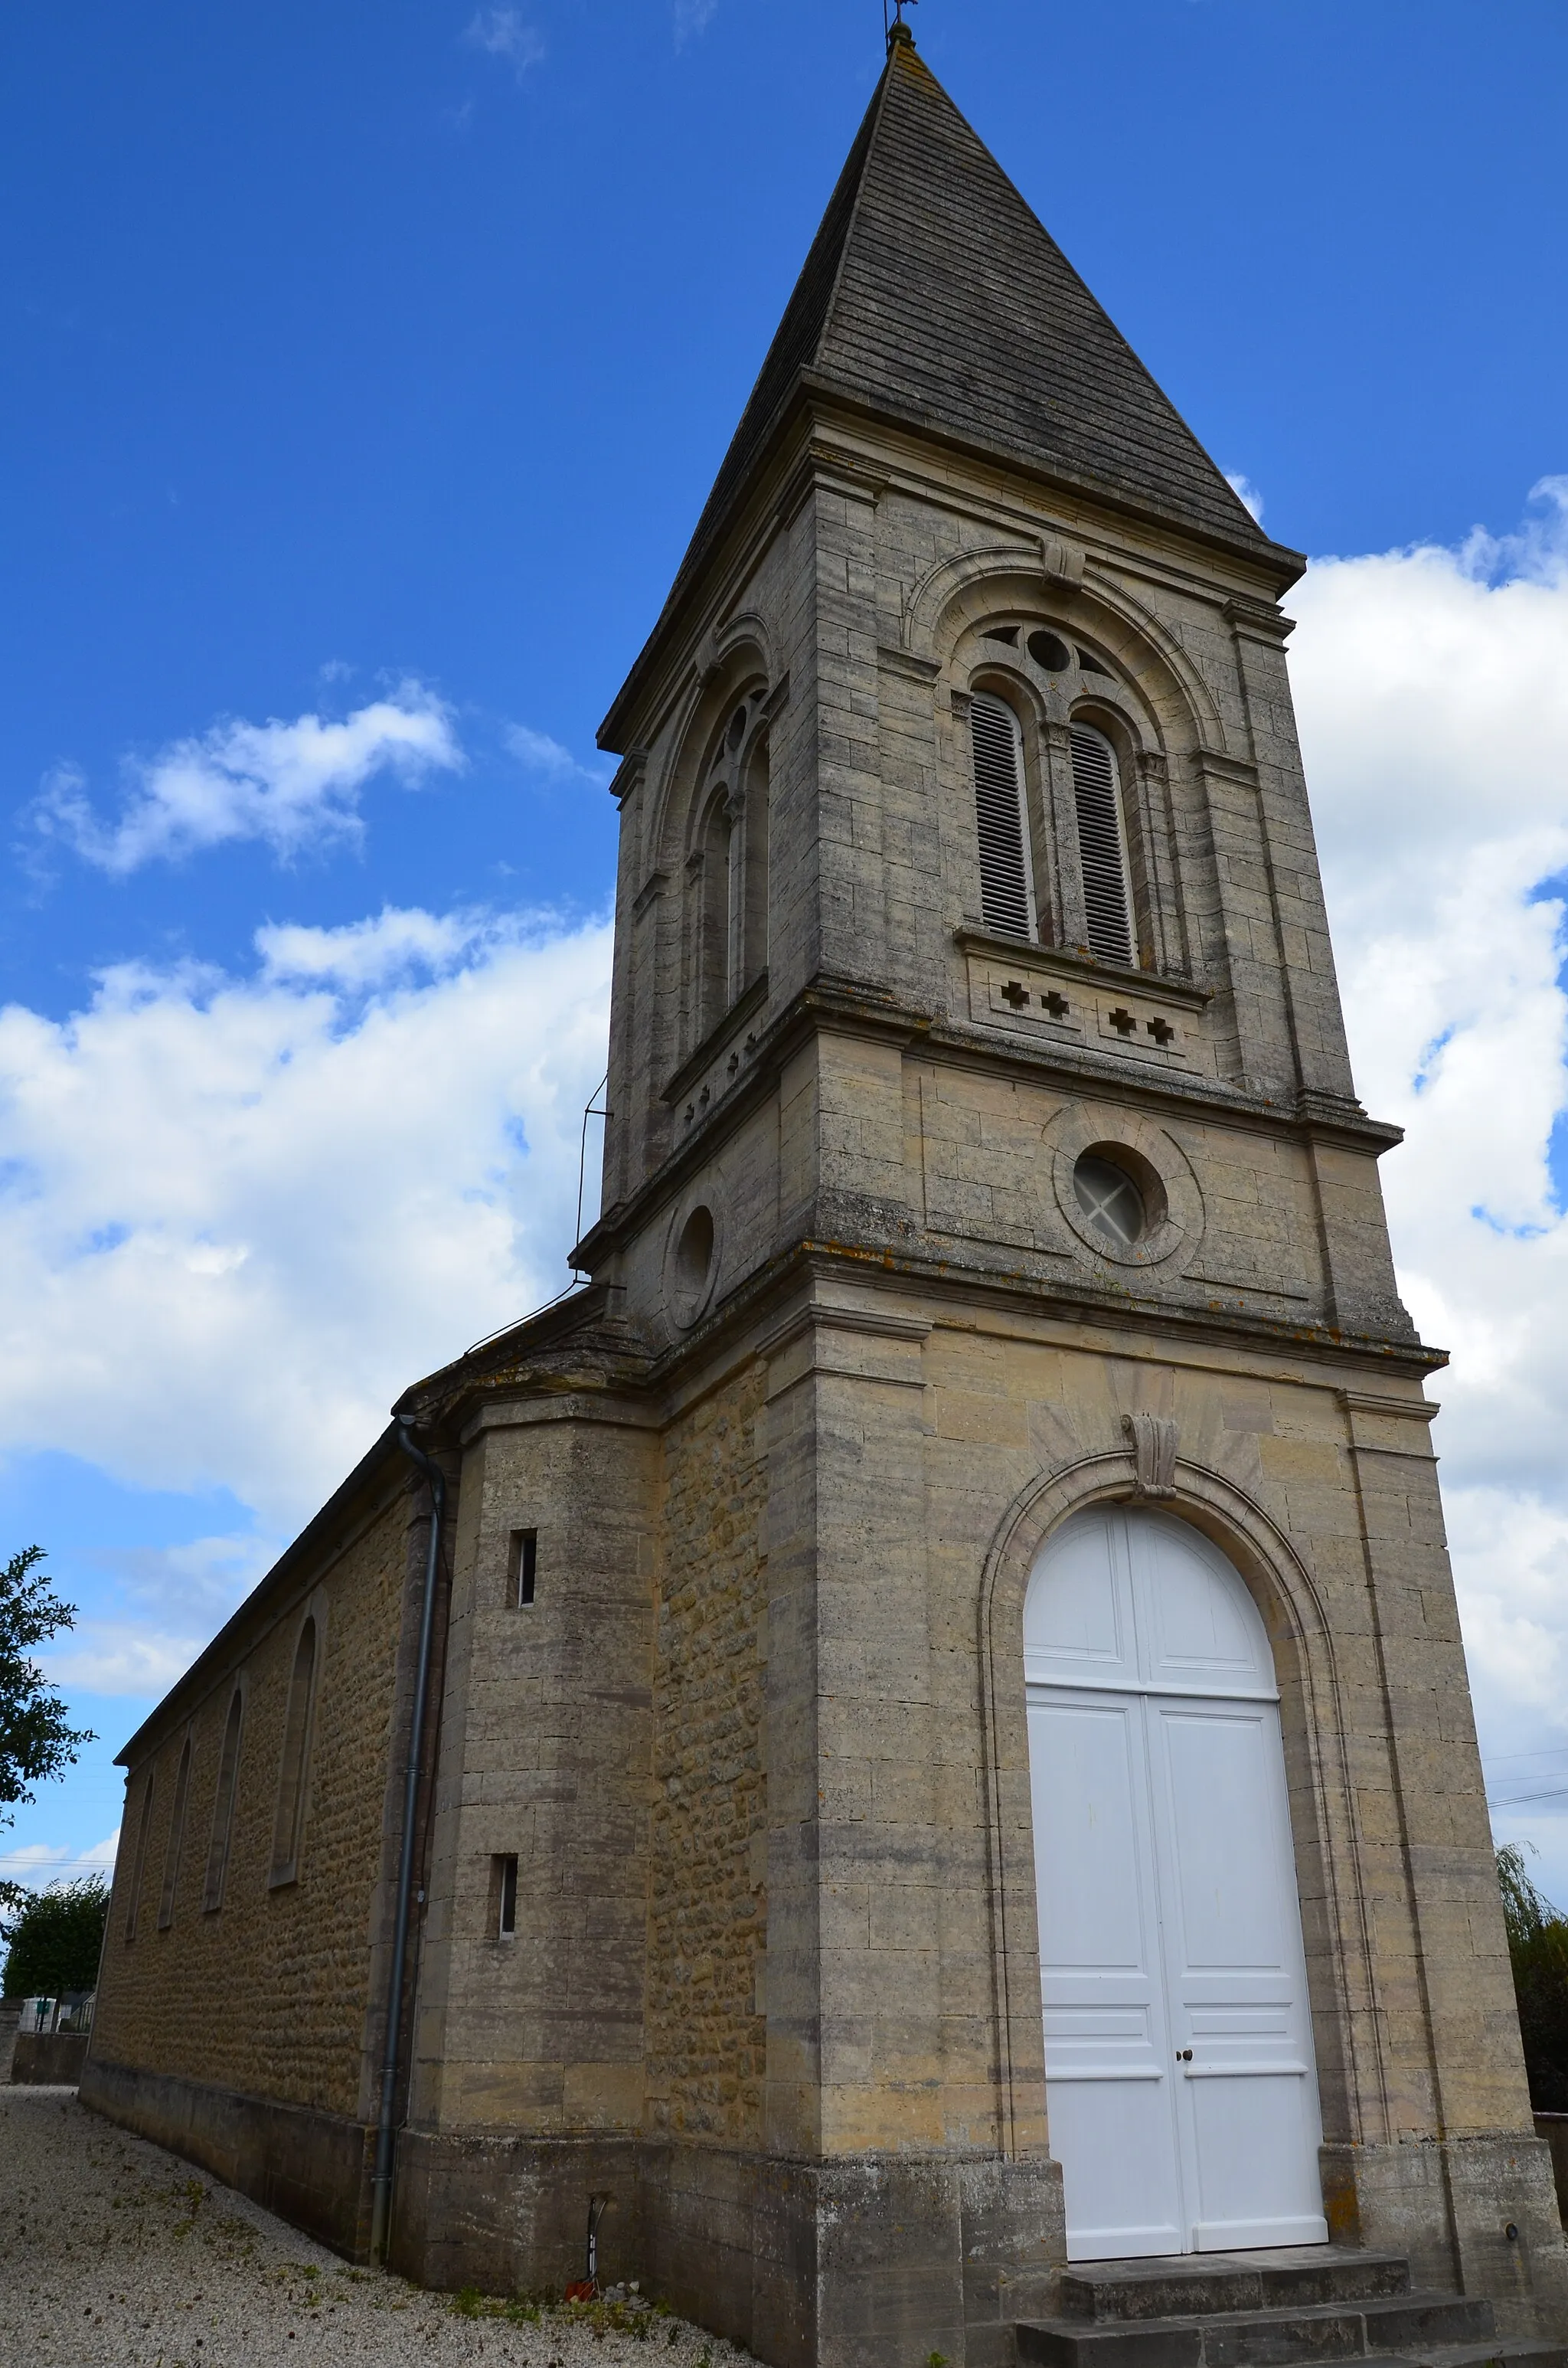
[893, 27]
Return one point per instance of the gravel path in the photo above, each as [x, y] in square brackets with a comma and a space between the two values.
[114, 2254]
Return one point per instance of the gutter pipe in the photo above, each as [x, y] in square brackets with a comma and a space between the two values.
[380, 2184]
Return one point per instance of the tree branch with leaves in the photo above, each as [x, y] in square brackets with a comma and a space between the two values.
[36, 1740]
[1538, 1949]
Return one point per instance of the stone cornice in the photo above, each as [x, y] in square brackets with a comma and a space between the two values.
[844, 1006]
[848, 1007]
[782, 468]
[887, 1268]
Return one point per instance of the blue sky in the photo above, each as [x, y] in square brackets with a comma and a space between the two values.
[371, 364]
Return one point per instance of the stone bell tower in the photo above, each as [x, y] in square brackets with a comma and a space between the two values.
[992, 1278]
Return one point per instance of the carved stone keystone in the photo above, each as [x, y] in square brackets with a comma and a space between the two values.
[1154, 1442]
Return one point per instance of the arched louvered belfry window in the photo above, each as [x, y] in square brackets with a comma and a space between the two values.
[752, 893]
[1006, 885]
[727, 918]
[1102, 846]
[716, 916]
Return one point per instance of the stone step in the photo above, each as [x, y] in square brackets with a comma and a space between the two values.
[1199, 2283]
[1499, 2351]
[1400, 2324]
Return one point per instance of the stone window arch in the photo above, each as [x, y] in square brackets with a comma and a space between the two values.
[1102, 844]
[176, 1840]
[139, 1864]
[1090, 865]
[715, 887]
[1322, 1801]
[1003, 836]
[1156, 923]
[728, 868]
[223, 1806]
[287, 1829]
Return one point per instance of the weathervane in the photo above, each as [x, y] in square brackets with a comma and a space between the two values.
[893, 27]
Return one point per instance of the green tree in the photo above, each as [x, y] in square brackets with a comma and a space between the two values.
[56, 1937]
[1538, 1949]
[36, 1741]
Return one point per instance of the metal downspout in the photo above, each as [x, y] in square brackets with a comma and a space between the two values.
[380, 2184]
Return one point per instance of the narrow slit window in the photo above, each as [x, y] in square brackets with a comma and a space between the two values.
[139, 1863]
[1102, 846]
[1006, 888]
[505, 1891]
[524, 1565]
[223, 1809]
[175, 1842]
[287, 1830]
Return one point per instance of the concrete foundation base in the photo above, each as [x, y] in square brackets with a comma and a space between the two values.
[1478, 2214]
[867, 2261]
[810, 2265]
[312, 2169]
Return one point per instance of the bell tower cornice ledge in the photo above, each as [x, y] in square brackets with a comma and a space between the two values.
[940, 1296]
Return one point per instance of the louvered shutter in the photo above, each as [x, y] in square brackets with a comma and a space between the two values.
[1101, 852]
[1006, 897]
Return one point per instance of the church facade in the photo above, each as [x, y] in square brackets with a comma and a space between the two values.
[948, 1751]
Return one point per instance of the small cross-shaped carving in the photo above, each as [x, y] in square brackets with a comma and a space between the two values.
[1161, 1031]
[1122, 1021]
[705, 1097]
[734, 1062]
[1016, 995]
[1057, 1004]
[751, 1043]
[691, 1112]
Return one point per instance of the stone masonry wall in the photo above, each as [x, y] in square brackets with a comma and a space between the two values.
[267, 1994]
[706, 1903]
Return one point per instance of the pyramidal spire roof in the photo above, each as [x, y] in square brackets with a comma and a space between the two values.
[933, 295]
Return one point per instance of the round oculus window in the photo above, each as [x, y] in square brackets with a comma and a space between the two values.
[1049, 653]
[694, 1251]
[1110, 1200]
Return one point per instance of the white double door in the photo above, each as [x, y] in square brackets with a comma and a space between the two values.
[1180, 2081]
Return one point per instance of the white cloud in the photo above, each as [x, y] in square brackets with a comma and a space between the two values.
[1246, 492]
[238, 1214]
[504, 34]
[294, 786]
[118, 1657]
[38, 1864]
[370, 954]
[541, 754]
[176, 1599]
[1432, 688]
[693, 17]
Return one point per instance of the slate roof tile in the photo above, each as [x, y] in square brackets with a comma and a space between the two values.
[934, 296]
[932, 292]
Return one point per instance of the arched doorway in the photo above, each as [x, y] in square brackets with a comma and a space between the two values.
[1180, 2078]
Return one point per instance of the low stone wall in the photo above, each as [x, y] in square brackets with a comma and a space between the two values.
[1553, 2128]
[48, 2060]
[312, 2168]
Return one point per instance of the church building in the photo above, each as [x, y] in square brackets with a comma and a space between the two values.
[903, 1756]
